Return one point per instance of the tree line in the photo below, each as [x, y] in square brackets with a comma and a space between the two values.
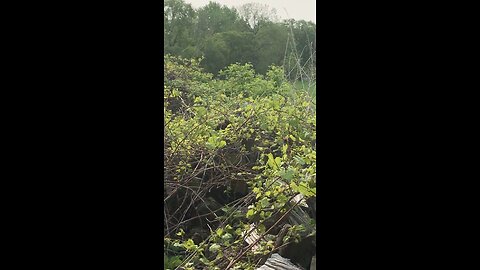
[248, 34]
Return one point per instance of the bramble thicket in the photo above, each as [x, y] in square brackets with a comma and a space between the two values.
[240, 171]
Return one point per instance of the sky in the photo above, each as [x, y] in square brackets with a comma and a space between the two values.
[296, 9]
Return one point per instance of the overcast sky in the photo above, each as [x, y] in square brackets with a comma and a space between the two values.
[297, 9]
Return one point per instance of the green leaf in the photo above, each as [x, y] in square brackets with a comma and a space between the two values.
[189, 244]
[222, 144]
[227, 237]
[264, 202]
[278, 162]
[214, 247]
[299, 160]
[274, 163]
[284, 148]
[287, 175]
[203, 260]
[294, 186]
[250, 213]
[304, 190]
[271, 161]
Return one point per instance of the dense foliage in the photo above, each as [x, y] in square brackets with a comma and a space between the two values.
[240, 153]
[249, 34]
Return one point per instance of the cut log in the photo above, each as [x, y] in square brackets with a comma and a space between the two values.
[277, 262]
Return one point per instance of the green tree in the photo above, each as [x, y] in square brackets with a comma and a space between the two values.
[178, 18]
[216, 53]
[227, 48]
[214, 18]
[271, 40]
